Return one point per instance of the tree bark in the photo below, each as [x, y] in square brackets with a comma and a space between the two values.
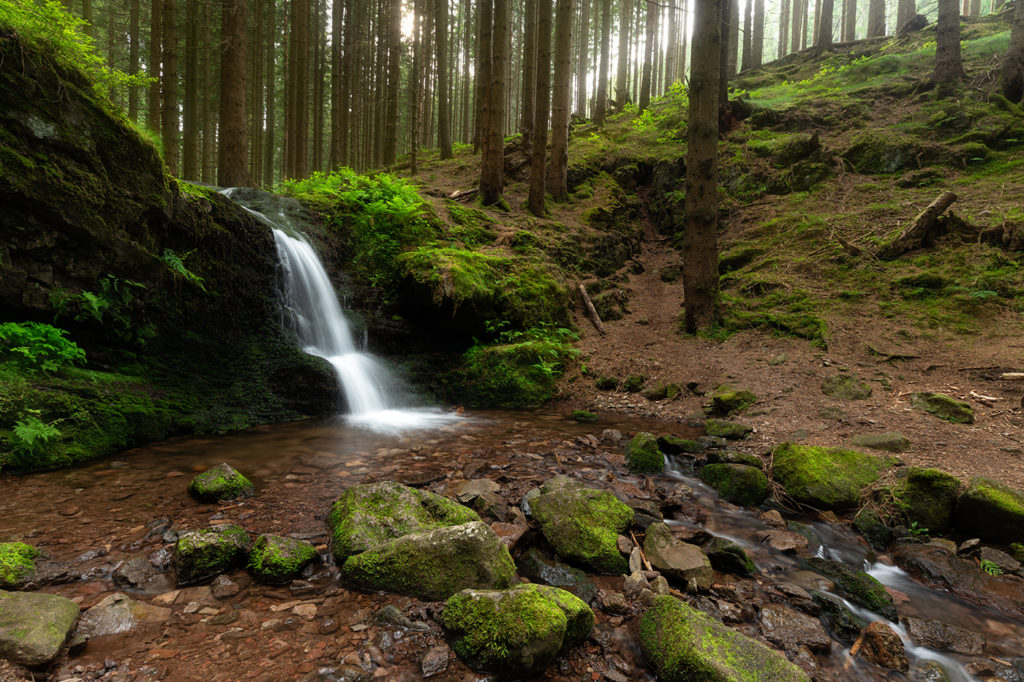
[190, 147]
[913, 236]
[169, 86]
[622, 72]
[493, 163]
[849, 20]
[748, 23]
[825, 26]
[1013, 66]
[700, 247]
[444, 103]
[133, 58]
[270, 87]
[784, 29]
[876, 18]
[723, 57]
[231, 163]
[538, 161]
[798, 9]
[415, 83]
[757, 40]
[948, 67]
[734, 38]
[601, 105]
[390, 149]
[905, 11]
[651, 27]
[556, 176]
[156, 22]
[583, 45]
[529, 74]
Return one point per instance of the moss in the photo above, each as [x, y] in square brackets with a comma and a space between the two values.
[991, 510]
[221, 482]
[890, 442]
[927, 497]
[1017, 550]
[883, 151]
[643, 455]
[634, 383]
[202, 554]
[674, 445]
[845, 387]
[606, 383]
[721, 428]
[873, 527]
[943, 407]
[584, 417]
[16, 564]
[661, 392]
[276, 559]
[727, 401]
[726, 555]
[858, 586]
[737, 483]
[826, 478]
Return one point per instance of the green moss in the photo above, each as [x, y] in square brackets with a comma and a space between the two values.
[634, 383]
[727, 401]
[845, 387]
[674, 445]
[826, 478]
[584, 417]
[276, 559]
[583, 525]
[643, 455]
[737, 483]
[221, 482]
[16, 563]
[991, 510]
[606, 383]
[927, 497]
[858, 586]
[202, 554]
[943, 407]
[726, 429]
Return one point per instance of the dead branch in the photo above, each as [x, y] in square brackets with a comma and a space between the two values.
[595, 319]
[912, 237]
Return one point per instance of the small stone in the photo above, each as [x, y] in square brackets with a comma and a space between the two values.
[883, 647]
[635, 560]
[772, 518]
[727, 429]
[643, 455]
[223, 587]
[434, 661]
[777, 360]
[34, 626]
[677, 559]
[785, 541]
[467, 491]
[943, 407]
[625, 544]
[968, 546]
[307, 611]
[611, 437]
[635, 583]
[845, 387]
[791, 629]
[889, 442]
[614, 602]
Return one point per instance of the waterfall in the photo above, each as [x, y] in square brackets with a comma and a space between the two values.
[322, 330]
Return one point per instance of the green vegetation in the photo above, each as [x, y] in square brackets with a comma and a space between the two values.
[17, 564]
[277, 559]
[990, 567]
[38, 346]
[825, 478]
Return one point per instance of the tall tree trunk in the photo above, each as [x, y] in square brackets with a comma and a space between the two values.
[601, 105]
[825, 26]
[156, 23]
[723, 57]
[783, 29]
[583, 49]
[849, 20]
[190, 148]
[734, 37]
[905, 11]
[748, 38]
[317, 73]
[133, 58]
[339, 115]
[700, 245]
[558, 166]
[207, 116]
[297, 119]
[88, 27]
[975, 8]
[484, 33]
[1013, 66]
[672, 49]
[804, 23]
[495, 43]
[390, 149]
[651, 26]
[684, 47]
[270, 87]
[415, 83]
[948, 66]
[444, 104]
[876, 18]
[798, 9]
[529, 73]
[757, 40]
[231, 163]
[538, 160]
[169, 86]
[622, 72]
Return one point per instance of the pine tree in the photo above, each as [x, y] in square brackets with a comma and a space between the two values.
[1013, 66]
[558, 166]
[231, 159]
[538, 161]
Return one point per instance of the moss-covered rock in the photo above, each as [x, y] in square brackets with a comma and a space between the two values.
[845, 387]
[368, 514]
[683, 644]
[278, 559]
[584, 416]
[721, 428]
[943, 407]
[873, 527]
[34, 626]
[222, 482]
[727, 401]
[857, 586]
[202, 554]
[515, 632]
[734, 457]
[726, 555]
[634, 383]
[582, 524]
[991, 510]
[435, 564]
[661, 392]
[606, 383]
[825, 478]
[643, 455]
[889, 442]
[878, 151]
[737, 483]
[17, 564]
[927, 497]
[674, 445]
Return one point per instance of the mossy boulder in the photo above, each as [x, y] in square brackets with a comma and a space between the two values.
[674, 445]
[202, 554]
[726, 401]
[726, 555]
[943, 407]
[582, 524]
[643, 455]
[584, 417]
[606, 383]
[873, 527]
[369, 514]
[515, 632]
[684, 644]
[278, 559]
[34, 626]
[857, 586]
[734, 457]
[721, 428]
[927, 497]
[737, 483]
[825, 478]
[634, 383]
[222, 482]
[890, 442]
[991, 510]
[17, 564]
[877, 151]
[845, 387]
[435, 564]
[661, 392]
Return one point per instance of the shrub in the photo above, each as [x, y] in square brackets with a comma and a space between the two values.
[38, 346]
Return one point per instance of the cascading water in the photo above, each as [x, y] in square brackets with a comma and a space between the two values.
[322, 329]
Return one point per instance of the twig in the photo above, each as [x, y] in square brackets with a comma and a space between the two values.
[595, 319]
[643, 557]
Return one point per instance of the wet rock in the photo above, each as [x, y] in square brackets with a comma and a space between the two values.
[713, 442]
[535, 566]
[844, 625]
[726, 555]
[390, 615]
[882, 646]
[417, 478]
[367, 515]
[735, 457]
[277, 560]
[678, 560]
[943, 407]
[202, 554]
[857, 586]
[991, 510]
[927, 497]
[635, 583]
[119, 613]
[685, 644]
[510, 533]
[223, 587]
[935, 634]
[34, 626]
[611, 437]
[17, 564]
[338, 673]
[968, 547]
[791, 629]
[466, 491]
[1005, 562]
[825, 478]
[134, 572]
[643, 455]
[659, 585]
[582, 524]
[785, 541]
[517, 631]
[674, 445]
[873, 528]
[928, 671]
[614, 602]
[737, 483]
[845, 387]
[772, 518]
[222, 482]
[435, 564]
[720, 428]
[890, 442]
[435, 661]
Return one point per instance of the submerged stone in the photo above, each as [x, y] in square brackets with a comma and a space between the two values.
[538, 568]
[825, 478]
[278, 559]
[678, 560]
[34, 626]
[17, 564]
[222, 482]
[202, 554]
[119, 613]
[684, 644]
[791, 629]
[643, 455]
[843, 623]
[991, 510]
[737, 483]
[943, 407]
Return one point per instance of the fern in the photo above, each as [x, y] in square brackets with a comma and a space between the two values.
[176, 264]
[32, 441]
[38, 346]
[990, 567]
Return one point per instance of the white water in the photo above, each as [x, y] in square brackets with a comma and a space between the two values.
[322, 330]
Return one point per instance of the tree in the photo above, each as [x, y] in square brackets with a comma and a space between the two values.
[723, 57]
[169, 86]
[156, 8]
[529, 87]
[651, 28]
[622, 72]
[582, 49]
[231, 160]
[538, 160]
[601, 105]
[784, 29]
[905, 11]
[700, 246]
[748, 20]
[494, 45]
[133, 57]
[190, 147]
[444, 105]
[825, 26]
[876, 18]
[558, 165]
[948, 66]
[390, 148]
[757, 39]
[1013, 67]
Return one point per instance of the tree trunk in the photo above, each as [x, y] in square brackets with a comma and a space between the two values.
[231, 163]
[784, 29]
[493, 163]
[876, 18]
[529, 74]
[484, 29]
[748, 22]
[849, 20]
[339, 113]
[583, 49]
[208, 116]
[444, 104]
[133, 58]
[825, 26]
[651, 27]
[390, 148]
[734, 38]
[948, 67]
[975, 8]
[1013, 66]
[622, 72]
[538, 159]
[723, 57]
[169, 86]
[270, 87]
[156, 22]
[798, 9]
[601, 105]
[415, 83]
[905, 11]
[190, 148]
[700, 247]
[556, 176]
[757, 40]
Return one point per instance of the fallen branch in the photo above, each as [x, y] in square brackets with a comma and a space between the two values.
[643, 557]
[924, 223]
[595, 319]
[463, 194]
[983, 398]
[1012, 376]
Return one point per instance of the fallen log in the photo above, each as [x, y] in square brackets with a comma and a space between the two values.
[912, 236]
[595, 319]
[1012, 376]
[463, 194]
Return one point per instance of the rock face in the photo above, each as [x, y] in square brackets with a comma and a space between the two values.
[943, 407]
[992, 511]
[222, 482]
[33, 626]
[202, 554]
[370, 514]
[927, 497]
[515, 632]
[119, 613]
[643, 455]
[684, 644]
[277, 559]
[737, 483]
[677, 559]
[845, 387]
[882, 646]
[825, 478]
[434, 565]
[857, 586]
[17, 564]
[582, 524]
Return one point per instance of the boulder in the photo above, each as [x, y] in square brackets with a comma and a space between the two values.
[721, 428]
[874, 528]
[734, 457]
[119, 613]
[278, 559]
[791, 629]
[582, 524]
[684, 644]
[222, 482]
[943, 407]
[991, 510]
[674, 445]
[845, 387]
[435, 564]
[369, 514]
[825, 478]
[840, 621]
[202, 554]
[515, 632]
[785, 541]
[34, 626]
[677, 559]
[927, 497]
[883, 647]
[737, 483]
[643, 455]
[135, 572]
[726, 555]
[17, 564]
[538, 568]
[889, 442]
[935, 634]
[857, 586]
[727, 401]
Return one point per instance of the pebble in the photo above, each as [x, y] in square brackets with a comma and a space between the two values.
[434, 661]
